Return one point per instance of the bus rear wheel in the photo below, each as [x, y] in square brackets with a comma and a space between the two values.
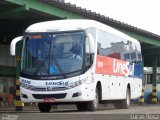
[44, 107]
[126, 102]
[123, 104]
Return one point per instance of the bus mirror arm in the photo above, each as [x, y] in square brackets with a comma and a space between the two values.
[13, 45]
[89, 60]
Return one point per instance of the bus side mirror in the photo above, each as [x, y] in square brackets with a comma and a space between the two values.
[90, 43]
[13, 45]
[89, 50]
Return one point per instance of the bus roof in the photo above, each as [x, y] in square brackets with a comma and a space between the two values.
[61, 25]
[73, 24]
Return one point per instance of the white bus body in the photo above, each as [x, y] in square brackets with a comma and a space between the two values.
[149, 86]
[100, 75]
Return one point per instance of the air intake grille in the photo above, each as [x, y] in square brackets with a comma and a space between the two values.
[56, 96]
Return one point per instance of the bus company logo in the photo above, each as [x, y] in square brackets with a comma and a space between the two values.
[123, 67]
[60, 83]
[49, 88]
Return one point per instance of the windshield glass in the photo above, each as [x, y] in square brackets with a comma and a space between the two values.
[51, 54]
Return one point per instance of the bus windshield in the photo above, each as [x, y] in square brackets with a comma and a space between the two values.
[52, 54]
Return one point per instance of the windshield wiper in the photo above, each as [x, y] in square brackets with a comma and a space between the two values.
[48, 56]
[51, 53]
[58, 66]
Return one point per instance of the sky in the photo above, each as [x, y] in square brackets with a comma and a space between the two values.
[144, 14]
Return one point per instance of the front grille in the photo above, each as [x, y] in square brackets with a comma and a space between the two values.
[38, 89]
[56, 96]
[49, 88]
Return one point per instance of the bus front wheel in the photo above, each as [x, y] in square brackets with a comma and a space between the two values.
[93, 105]
[44, 107]
[81, 106]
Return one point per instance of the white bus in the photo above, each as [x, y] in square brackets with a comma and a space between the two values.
[149, 86]
[78, 61]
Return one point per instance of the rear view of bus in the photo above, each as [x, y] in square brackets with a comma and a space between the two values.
[63, 63]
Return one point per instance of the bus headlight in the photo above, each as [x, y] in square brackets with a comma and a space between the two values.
[26, 86]
[77, 83]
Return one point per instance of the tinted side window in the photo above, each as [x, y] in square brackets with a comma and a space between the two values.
[116, 47]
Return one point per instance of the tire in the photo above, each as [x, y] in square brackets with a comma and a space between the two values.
[81, 106]
[123, 104]
[126, 102]
[44, 107]
[117, 104]
[93, 105]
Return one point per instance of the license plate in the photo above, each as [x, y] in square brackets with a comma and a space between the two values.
[49, 100]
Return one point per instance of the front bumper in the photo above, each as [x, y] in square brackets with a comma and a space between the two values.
[84, 92]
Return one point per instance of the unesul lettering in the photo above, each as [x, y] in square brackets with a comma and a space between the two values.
[123, 68]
